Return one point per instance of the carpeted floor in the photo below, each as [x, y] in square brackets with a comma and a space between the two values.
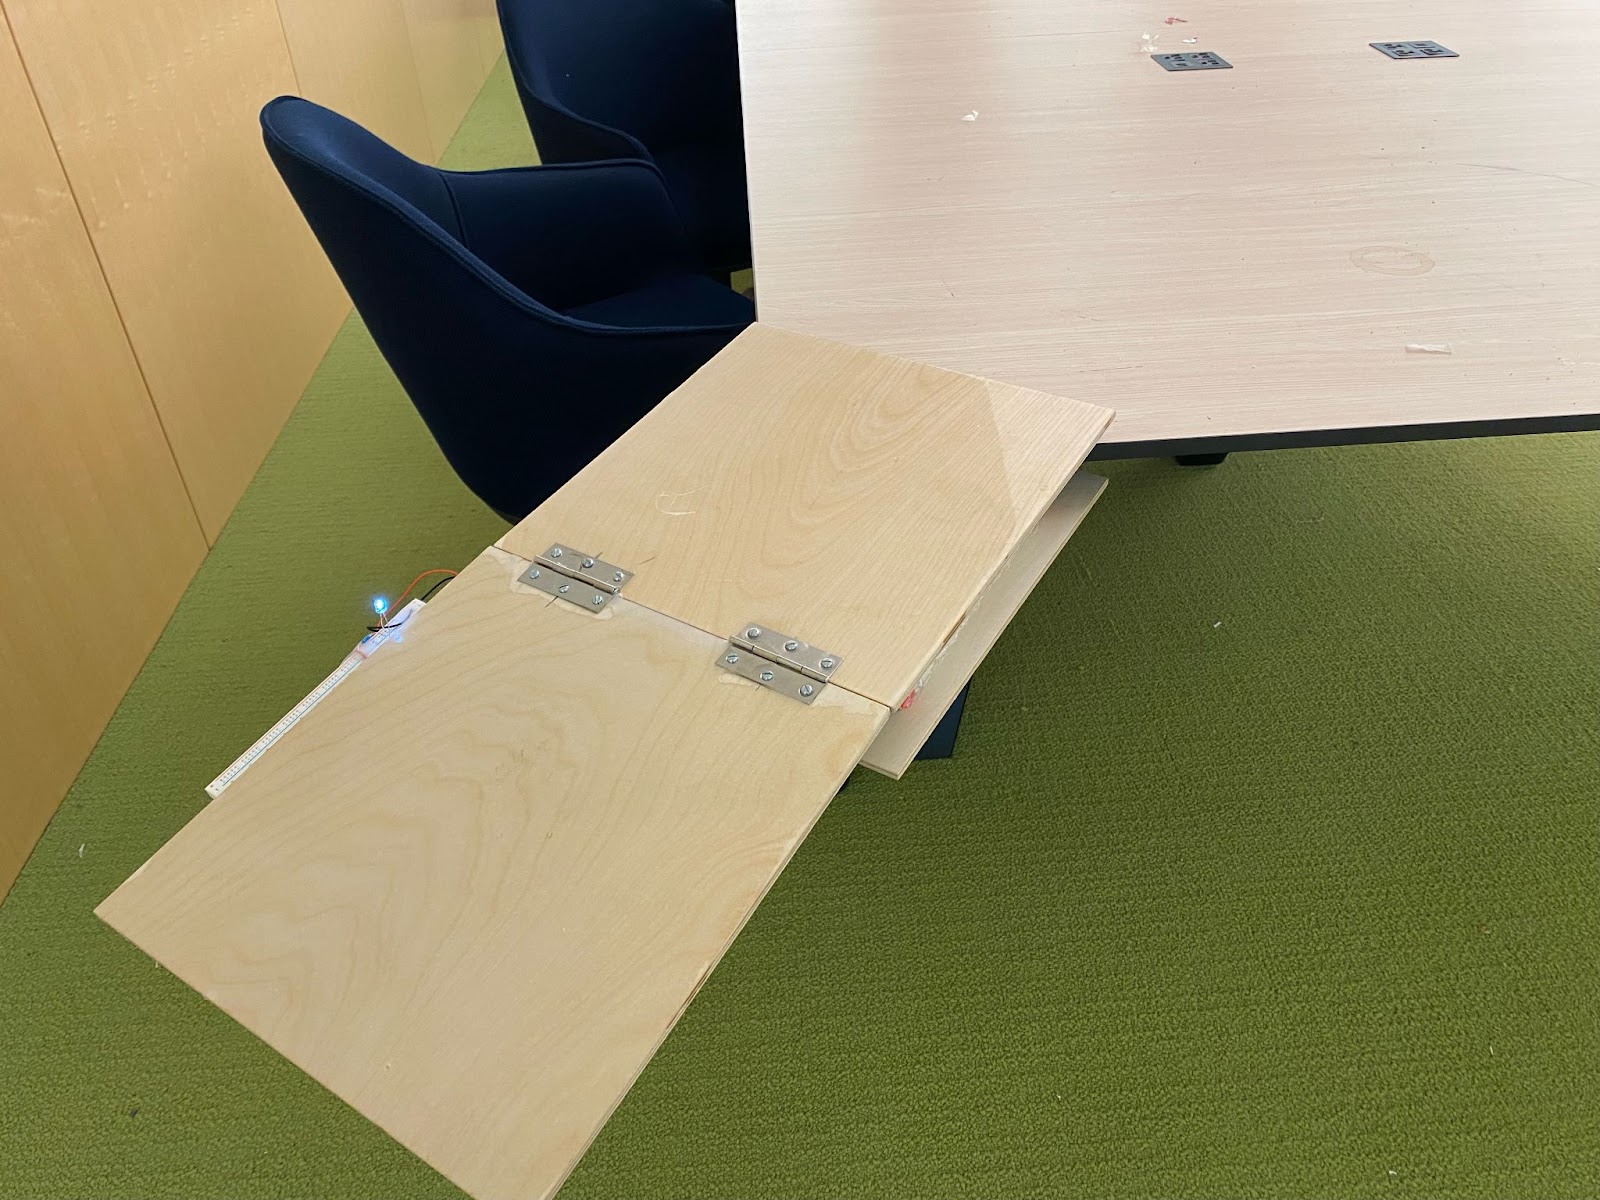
[1269, 865]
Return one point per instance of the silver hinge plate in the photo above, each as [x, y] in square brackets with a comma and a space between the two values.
[576, 577]
[777, 661]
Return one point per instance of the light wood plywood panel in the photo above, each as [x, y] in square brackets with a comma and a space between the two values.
[1018, 191]
[88, 489]
[852, 500]
[226, 296]
[355, 57]
[447, 39]
[913, 722]
[473, 890]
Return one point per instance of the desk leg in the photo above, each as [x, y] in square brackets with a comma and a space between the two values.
[941, 742]
[1199, 460]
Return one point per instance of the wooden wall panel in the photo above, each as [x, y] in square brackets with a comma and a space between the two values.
[355, 57]
[227, 298]
[447, 38]
[486, 24]
[86, 479]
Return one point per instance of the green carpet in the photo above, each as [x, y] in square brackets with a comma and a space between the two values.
[1267, 866]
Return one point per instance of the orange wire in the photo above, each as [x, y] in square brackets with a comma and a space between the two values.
[383, 620]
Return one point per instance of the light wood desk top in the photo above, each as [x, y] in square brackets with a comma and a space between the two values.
[1226, 254]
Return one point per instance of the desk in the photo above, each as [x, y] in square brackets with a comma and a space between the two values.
[1230, 259]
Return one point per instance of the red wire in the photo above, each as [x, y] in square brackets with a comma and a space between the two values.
[383, 620]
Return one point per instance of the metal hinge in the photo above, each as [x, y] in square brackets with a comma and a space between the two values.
[576, 577]
[777, 661]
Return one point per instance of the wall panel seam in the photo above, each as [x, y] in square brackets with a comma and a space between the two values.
[94, 249]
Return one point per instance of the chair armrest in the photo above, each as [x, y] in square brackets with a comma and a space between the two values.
[570, 233]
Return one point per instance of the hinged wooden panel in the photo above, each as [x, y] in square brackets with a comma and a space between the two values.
[854, 500]
[473, 890]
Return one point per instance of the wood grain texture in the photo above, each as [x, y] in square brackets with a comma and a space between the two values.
[852, 500]
[1208, 253]
[474, 889]
[355, 57]
[485, 21]
[909, 726]
[226, 297]
[447, 40]
[86, 481]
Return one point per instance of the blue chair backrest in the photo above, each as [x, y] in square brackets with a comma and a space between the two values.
[518, 396]
[620, 78]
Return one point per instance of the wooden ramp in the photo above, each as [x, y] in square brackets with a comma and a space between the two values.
[474, 889]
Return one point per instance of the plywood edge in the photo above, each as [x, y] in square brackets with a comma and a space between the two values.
[909, 727]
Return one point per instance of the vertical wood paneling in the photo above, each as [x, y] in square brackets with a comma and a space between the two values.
[227, 298]
[86, 484]
[447, 39]
[156, 278]
[486, 24]
[355, 57]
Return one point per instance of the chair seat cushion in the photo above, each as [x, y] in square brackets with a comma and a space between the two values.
[678, 300]
[707, 185]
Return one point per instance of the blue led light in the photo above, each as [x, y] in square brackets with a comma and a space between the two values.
[380, 604]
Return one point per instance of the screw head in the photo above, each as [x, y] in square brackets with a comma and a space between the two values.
[806, 689]
[731, 659]
[598, 600]
[791, 645]
[617, 578]
[564, 588]
[587, 563]
[766, 677]
[555, 552]
[752, 632]
[534, 574]
[827, 664]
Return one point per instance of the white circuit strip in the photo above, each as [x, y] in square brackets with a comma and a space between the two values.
[364, 650]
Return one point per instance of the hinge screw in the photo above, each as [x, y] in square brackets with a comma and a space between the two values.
[598, 600]
[766, 677]
[555, 552]
[533, 574]
[587, 563]
[827, 664]
[731, 659]
[806, 689]
[791, 645]
[752, 632]
[617, 578]
[564, 588]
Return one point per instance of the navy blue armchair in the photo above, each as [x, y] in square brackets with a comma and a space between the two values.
[531, 314]
[652, 79]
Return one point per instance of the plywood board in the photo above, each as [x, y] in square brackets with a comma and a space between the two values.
[852, 500]
[355, 57]
[474, 888]
[913, 722]
[86, 481]
[1016, 190]
[226, 297]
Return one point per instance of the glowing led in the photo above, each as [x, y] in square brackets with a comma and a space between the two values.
[380, 604]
